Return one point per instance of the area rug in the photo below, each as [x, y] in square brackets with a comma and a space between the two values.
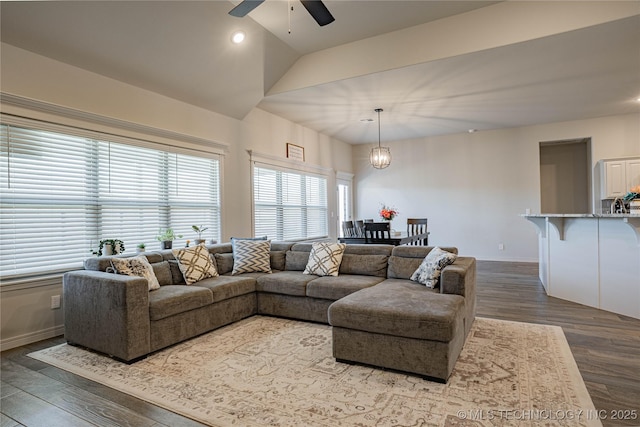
[266, 371]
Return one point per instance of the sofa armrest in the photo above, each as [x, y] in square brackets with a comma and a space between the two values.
[460, 278]
[107, 312]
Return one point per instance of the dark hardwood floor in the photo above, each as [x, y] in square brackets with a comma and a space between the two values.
[606, 348]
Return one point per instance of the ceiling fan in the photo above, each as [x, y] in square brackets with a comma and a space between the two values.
[316, 9]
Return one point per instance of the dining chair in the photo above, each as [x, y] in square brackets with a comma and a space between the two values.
[348, 229]
[417, 226]
[377, 232]
[359, 227]
[368, 220]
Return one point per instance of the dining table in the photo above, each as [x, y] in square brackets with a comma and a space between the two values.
[396, 239]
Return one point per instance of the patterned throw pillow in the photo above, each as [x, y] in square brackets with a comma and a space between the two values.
[251, 256]
[136, 266]
[195, 263]
[429, 271]
[325, 259]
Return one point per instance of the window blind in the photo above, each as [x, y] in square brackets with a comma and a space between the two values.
[289, 205]
[61, 194]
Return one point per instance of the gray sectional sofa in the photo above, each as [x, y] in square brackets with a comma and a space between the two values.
[379, 316]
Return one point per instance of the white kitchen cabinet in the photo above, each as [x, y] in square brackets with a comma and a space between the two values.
[618, 176]
[633, 173]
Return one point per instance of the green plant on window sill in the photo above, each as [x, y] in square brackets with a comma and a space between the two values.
[199, 229]
[117, 247]
[167, 235]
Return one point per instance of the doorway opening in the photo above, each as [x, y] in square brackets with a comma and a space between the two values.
[565, 176]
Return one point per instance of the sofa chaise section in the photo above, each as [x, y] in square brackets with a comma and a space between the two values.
[402, 325]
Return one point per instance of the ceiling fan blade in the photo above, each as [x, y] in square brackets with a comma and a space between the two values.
[245, 7]
[319, 11]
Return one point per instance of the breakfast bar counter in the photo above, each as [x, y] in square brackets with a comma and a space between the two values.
[591, 259]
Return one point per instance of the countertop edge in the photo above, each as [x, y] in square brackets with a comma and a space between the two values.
[580, 215]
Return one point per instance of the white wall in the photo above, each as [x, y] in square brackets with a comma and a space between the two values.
[25, 312]
[473, 187]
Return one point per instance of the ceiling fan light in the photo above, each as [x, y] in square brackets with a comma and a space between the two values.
[380, 157]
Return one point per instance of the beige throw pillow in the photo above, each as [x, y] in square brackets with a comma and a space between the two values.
[136, 266]
[195, 263]
[325, 259]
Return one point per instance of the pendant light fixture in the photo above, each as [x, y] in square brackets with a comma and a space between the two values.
[380, 157]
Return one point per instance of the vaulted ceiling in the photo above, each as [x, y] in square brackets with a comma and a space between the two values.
[435, 67]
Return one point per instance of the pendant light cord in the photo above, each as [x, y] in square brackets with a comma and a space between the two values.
[379, 110]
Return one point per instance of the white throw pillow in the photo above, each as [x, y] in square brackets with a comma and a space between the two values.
[325, 259]
[430, 268]
[195, 263]
[251, 256]
[136, 266]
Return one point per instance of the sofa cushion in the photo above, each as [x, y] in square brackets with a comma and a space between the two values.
[176, 275]
[285, 282]
[136, 266]
[172, 299]
[225, 287]
[429, 270]
[368, 265]
[325, 259]
[162, 270]
[195, 263]
[224, 262]
[334, 288]
[278, 259]
[400, 308]
[251, 256]
[404, 260]
[296, 261]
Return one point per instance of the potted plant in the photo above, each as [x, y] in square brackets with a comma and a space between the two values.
[633, 198]
[199, 229]
[141, 247]
[109, 247]
[167, 237]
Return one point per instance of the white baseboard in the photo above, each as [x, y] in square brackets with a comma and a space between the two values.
[20, 340]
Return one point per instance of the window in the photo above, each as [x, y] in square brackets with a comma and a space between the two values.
[289, 205]
[61, 193]
[345, 201]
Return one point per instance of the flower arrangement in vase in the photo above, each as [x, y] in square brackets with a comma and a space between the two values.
[387, 213]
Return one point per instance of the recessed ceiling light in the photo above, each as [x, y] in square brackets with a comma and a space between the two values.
[238, 37]
[472, 130]
[638, 99]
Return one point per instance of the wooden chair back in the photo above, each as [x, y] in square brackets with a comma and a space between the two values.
[359, 227]
[377, 232]
[348, 229]
[417, 226]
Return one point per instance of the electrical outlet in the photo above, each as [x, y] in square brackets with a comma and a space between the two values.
[55, 301]
[501, 246]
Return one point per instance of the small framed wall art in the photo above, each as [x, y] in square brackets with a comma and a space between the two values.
[295, 152]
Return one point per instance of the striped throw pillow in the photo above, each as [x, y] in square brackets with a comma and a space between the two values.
[251, 256]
